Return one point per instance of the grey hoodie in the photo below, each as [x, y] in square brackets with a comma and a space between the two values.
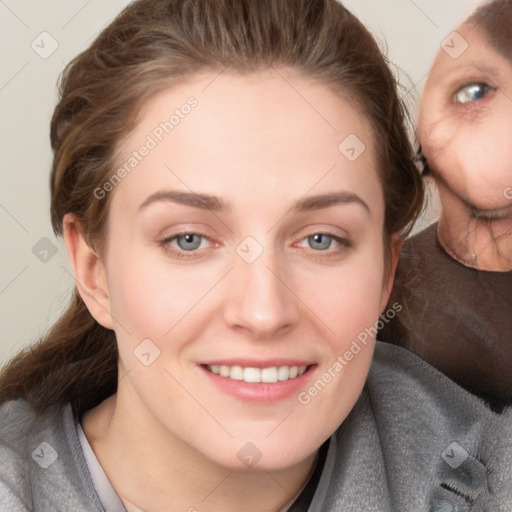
[414, 442]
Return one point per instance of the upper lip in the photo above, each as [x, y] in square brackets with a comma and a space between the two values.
[252, 363]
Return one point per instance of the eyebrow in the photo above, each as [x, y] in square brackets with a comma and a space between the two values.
[216, 204]
[330, 199]
[195, 200]
[484, 68]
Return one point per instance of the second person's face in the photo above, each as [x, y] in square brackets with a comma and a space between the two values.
[465, 123]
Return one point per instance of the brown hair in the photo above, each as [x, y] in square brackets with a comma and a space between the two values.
[495, 20]
[151, 44]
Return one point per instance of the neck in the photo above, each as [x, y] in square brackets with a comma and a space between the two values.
[156, 471]
[480, 241]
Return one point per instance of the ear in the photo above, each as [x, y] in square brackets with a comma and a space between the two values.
[389, 277]
[89, 270]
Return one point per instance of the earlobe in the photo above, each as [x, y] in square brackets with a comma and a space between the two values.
[89, 272]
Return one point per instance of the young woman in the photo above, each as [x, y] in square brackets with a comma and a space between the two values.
[461, 267]
[233, 180]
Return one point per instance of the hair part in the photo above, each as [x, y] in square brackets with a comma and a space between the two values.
[148, 47]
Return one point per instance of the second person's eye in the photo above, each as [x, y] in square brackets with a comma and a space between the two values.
[472, 92]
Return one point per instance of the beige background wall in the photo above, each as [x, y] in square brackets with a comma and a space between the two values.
[38, 37]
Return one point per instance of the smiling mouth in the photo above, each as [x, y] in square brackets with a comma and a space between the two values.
[268, 375]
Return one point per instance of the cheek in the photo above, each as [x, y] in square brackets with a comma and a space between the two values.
[489, 148]
[347, 302]
[347, 298]
[435, 128]
[437, 136]
[477, 161]
[471, 152]
[149, 295]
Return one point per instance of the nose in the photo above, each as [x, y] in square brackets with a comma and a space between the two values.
[261, 300]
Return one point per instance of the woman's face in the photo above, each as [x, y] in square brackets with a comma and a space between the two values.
[246, 243]
[465, 123]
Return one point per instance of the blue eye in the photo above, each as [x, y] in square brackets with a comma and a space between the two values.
[188, 242]
[320, 241]
[472, 92]
[187, 246]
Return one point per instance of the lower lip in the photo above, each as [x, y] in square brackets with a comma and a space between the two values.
[260, 391]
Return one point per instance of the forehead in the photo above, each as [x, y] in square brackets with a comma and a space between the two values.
[275, 98]
[253, 133]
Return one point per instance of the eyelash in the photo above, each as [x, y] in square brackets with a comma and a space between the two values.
[344, 244]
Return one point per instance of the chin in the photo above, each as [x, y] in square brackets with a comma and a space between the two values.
[253, 454]
[485, 201]
[250, 458]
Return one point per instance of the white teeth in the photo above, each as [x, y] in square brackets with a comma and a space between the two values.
[252, 375]
[283, 373]
[236, 373]
[267, 375]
